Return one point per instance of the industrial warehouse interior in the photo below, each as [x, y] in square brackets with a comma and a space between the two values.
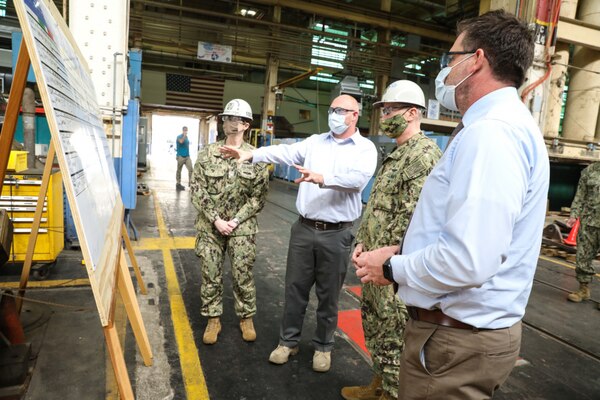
[106, 286]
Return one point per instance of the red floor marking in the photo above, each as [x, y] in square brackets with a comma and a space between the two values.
[350, 323]
[355, 290]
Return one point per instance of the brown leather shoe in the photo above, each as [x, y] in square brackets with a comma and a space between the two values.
[212, 330]
[372, 391]
[247, 327]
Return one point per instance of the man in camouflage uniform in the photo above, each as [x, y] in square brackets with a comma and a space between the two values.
[228, 196]
[386, 217]
[586, 207]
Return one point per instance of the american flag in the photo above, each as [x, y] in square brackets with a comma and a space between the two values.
[193, 92]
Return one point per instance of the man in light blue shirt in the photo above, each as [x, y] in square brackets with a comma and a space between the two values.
[335, 168]
[183, 157]
[470, 252]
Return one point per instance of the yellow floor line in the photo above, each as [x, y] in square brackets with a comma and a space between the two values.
[160, 243]
[564, 264]
[191, 369]
[54, 283]
[193, 376]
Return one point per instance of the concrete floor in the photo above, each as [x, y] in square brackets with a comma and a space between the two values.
[561, 346]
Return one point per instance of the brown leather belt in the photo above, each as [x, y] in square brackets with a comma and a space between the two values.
[325, 226]
[437, 317]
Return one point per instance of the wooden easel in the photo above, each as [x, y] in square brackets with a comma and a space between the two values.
[124, 284]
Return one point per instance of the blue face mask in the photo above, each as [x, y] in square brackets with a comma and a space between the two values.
[446, 94]
[337, 123]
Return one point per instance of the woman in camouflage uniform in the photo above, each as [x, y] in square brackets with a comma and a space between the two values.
[228, 196]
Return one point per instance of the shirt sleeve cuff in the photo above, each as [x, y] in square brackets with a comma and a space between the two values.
[257, 156]
[398, 270]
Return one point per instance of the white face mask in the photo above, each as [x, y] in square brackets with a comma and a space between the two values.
[446, 94]
[337, 123]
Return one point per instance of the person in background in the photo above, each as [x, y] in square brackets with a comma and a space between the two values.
[183, 157]
[335, 167]
[470, 252]
[385, 219]
[228, 196]
[586, 208]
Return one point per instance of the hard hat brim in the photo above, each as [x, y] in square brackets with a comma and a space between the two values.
[381, 102]
[233, 115]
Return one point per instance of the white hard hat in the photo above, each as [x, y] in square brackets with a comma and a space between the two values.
[238, 108]
[406, 92]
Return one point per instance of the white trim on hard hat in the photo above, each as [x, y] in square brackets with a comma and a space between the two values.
[405, 92]
[238, 108]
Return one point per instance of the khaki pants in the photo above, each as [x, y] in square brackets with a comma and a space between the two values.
[181, 161]
[449, 363]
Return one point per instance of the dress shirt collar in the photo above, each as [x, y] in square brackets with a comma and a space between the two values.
[481, 106]
[353, 138]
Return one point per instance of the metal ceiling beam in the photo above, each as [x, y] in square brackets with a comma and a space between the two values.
[576, 32]
[381, 20]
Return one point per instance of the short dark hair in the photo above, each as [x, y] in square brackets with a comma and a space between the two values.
[505, 40]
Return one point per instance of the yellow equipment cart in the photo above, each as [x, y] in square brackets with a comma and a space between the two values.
[19, 197]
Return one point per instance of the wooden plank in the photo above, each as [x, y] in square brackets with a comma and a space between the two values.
[35, 226]
[118, 361]
[136, 267]
[12, 108]
[132, 307]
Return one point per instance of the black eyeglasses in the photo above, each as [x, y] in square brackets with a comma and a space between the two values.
[385, 111]
[447, 57]
[339, 110]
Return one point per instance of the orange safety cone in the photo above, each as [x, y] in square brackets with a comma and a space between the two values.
[571, 240]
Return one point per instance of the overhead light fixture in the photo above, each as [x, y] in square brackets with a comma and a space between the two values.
[248, 12]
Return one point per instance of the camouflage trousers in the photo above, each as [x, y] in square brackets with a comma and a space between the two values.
[211, 249]
[384, 317]
[588, 245]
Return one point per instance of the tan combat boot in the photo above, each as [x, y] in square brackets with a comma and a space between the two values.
[371, 392]
[212, 330]
[582, 294]
[386, 396]
[248, 332]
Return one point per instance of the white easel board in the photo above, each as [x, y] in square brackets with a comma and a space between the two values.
[81, 145]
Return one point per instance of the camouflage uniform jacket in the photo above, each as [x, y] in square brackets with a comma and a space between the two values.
[223, 188]
[396, 191]
[586, 204]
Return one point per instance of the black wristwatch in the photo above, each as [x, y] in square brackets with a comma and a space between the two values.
[388, 272]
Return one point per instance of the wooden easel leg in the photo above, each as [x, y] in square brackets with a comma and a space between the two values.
[118, 361]
[13, 107]
[136, 268]
[127, 292]
[35, 226]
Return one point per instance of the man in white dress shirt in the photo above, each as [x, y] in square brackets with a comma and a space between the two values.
[470, 252]
[335, 167]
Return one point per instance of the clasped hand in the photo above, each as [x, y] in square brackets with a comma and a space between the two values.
[369, 264]
[225, 227]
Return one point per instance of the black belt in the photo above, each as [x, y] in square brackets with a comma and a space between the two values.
[325, 226]
[439, 318]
